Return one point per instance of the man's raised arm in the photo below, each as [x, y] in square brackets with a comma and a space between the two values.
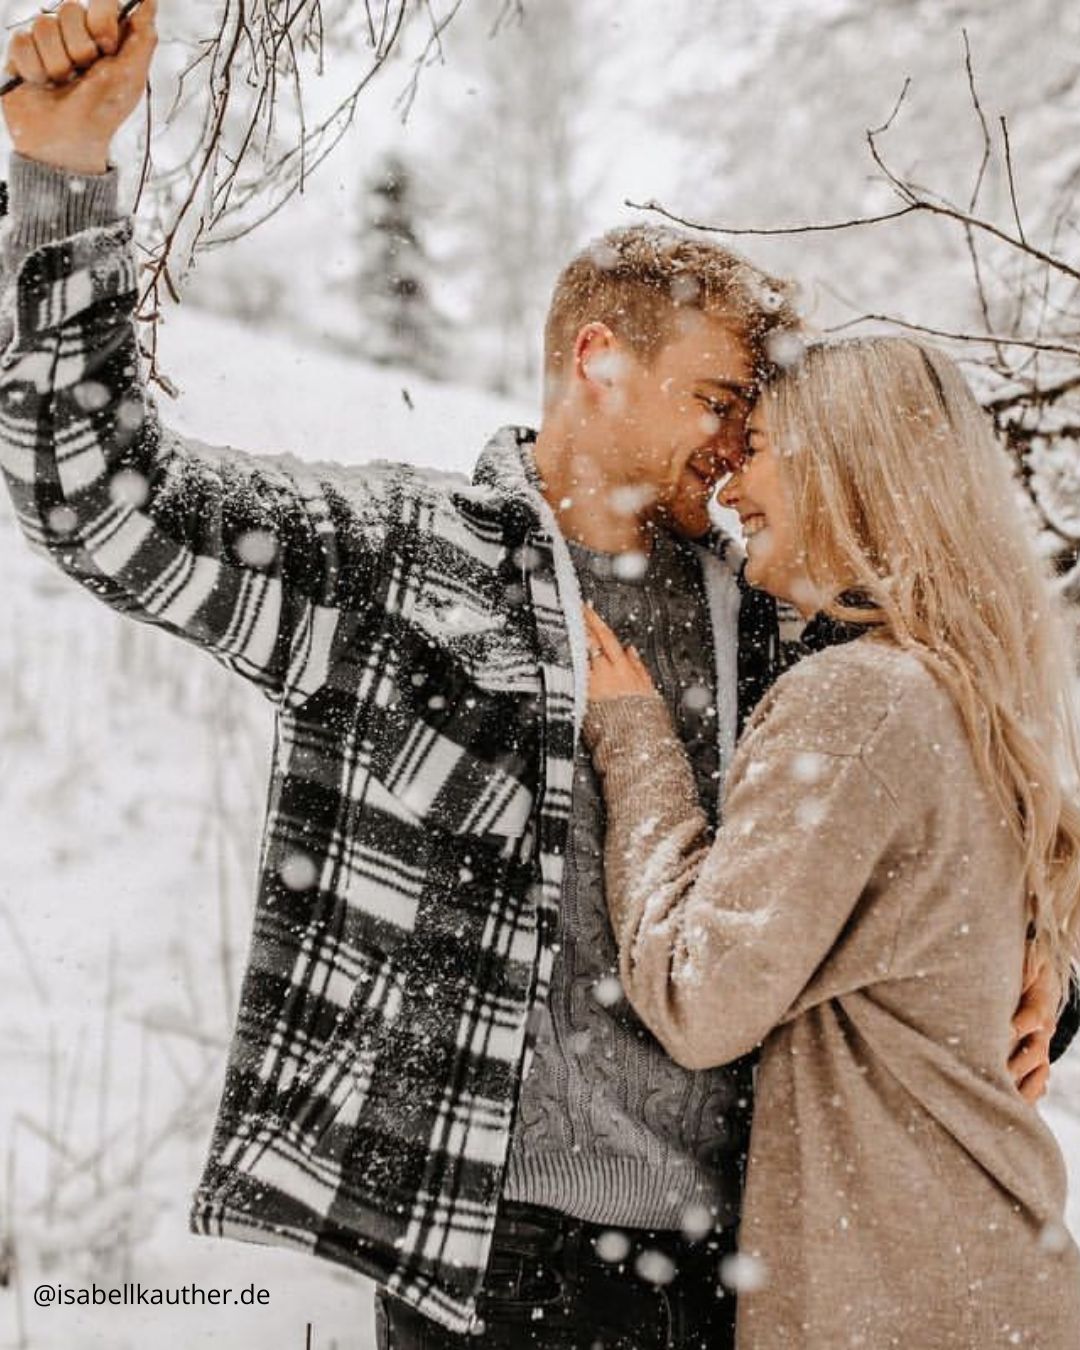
[254, 559]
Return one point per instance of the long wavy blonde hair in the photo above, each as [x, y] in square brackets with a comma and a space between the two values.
[909, 517]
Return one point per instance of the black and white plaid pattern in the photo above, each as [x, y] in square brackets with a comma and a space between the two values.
[421, 640]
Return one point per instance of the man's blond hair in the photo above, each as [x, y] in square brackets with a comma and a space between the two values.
[639, 279]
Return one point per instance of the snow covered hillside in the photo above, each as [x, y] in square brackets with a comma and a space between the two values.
[130, 804]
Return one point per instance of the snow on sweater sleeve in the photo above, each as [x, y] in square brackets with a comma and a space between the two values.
[717, 942]
[257, 559]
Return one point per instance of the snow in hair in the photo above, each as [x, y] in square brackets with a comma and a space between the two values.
[636, 278]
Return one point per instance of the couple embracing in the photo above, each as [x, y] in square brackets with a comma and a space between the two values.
[620, 976]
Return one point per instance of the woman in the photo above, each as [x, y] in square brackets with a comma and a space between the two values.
[895, 831]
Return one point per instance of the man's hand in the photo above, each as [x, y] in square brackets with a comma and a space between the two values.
[83, 75]
[1033, 1027]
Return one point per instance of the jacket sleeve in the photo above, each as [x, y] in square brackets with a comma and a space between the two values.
[717, 942]
[262, 561]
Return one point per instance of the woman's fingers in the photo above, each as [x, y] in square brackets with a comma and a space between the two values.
[645, 684]
[638, 664]
[103, 24]
[602, 635]
[614, 671]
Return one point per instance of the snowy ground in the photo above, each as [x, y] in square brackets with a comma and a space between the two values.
[129, 813]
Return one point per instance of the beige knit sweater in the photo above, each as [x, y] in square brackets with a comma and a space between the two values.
[860, 913]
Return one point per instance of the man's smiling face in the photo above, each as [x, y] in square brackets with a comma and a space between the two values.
[684, 419]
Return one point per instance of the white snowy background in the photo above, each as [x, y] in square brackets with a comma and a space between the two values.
[133, 770]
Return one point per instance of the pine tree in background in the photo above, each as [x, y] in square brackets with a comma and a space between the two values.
[401, 326]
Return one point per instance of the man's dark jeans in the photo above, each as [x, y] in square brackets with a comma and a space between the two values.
[549, 1288]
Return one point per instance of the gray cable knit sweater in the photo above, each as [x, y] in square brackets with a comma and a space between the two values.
[610, 1129]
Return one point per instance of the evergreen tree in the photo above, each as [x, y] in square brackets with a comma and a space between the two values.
[401, 325]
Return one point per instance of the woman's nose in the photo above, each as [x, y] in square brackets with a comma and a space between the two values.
[728, 492]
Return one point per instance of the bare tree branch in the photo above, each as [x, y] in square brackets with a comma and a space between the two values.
[990, 339]
[1028, 297]
[829, 227]
[1011, 179]
[251, 146]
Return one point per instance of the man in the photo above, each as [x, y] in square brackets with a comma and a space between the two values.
[430, 908]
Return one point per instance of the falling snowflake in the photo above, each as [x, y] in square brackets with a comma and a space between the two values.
[696, 698]
[608, 367]
[785, 348]
[1053, 1238]
[256, 548]
[607, 991]
[527, 558]
[62, 520]
[808, 767]
[809, 814]
[298, 872]
[656, 1267]
[612, 1246]
[90, 395]
[684, 289]
[129, 488]
[743, 1273]
[130, 414]
[709, 424]
[630, 500]
[697, 1222]
[630, 566]
[604, 255]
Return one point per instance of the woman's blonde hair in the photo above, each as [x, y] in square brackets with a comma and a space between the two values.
[910, 519]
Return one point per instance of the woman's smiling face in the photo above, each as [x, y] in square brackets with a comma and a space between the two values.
[760, 492]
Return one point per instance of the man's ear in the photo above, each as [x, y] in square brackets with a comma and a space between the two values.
[599, 358]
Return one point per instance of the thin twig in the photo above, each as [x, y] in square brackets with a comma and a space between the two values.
[829, 227]
[987, 144]
[990, 339]
[1011, 179]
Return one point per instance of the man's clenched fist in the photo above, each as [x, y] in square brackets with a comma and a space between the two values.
[69, 122]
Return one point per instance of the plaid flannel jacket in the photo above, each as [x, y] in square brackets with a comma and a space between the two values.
[422, 641]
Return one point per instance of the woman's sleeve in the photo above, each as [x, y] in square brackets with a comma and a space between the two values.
[717, 942]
